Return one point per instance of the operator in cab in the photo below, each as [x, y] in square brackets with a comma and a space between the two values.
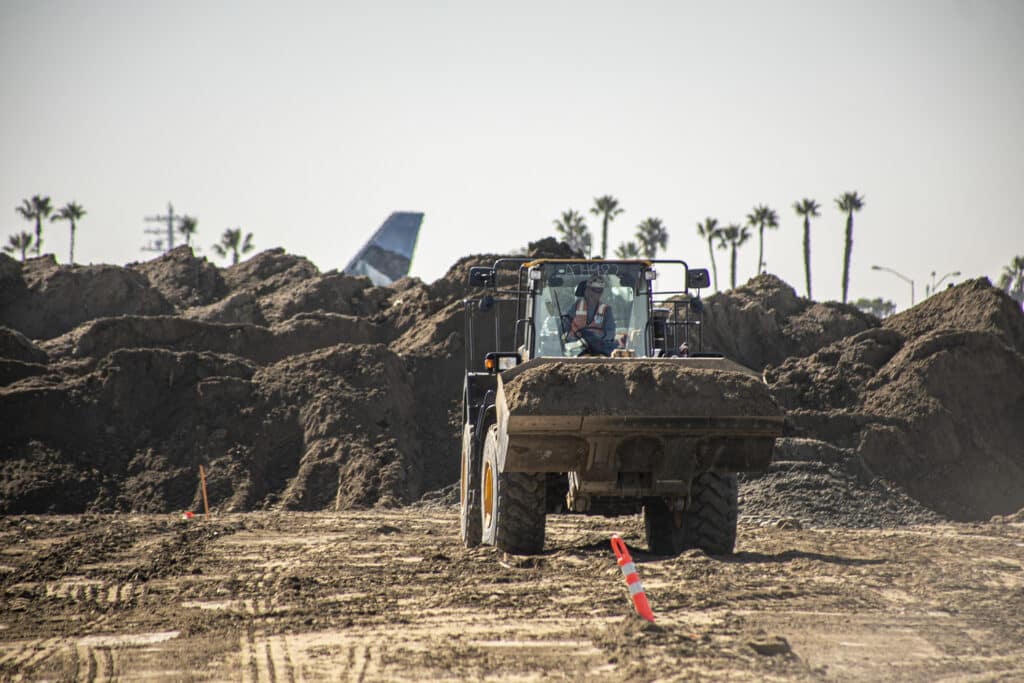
[591, 321]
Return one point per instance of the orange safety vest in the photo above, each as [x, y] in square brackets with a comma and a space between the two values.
[579, 322]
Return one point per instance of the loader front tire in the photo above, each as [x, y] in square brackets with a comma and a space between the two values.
[512, 513]
[708, 523]
[469, 492]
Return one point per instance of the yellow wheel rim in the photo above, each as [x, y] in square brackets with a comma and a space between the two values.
[488, 494]
[462, 479]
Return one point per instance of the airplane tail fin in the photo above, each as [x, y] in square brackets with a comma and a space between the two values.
[387, 255]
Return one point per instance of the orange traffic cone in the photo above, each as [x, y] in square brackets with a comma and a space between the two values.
[636, 589]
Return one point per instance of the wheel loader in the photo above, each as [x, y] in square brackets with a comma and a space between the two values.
[634, 417]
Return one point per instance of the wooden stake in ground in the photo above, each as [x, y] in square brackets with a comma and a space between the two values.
[202, 482]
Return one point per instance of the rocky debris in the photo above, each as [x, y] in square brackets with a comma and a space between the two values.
[51, 300]
[183, 279]
[764, 322]
[815, 484]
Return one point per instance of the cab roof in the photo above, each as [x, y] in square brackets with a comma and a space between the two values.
[543, 261]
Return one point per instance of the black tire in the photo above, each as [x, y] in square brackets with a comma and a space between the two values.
[711, 515]
[708, 523]
[663, 536]
[512, 513]
[469, 492]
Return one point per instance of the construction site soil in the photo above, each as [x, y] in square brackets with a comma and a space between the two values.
[320, 395]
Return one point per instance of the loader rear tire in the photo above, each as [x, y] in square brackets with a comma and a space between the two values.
[512, 512]
[708, 523]
[711, 516]
[469, 492]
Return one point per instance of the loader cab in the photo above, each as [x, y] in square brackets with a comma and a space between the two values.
[555, 290]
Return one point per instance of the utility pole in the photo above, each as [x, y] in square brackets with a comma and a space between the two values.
[170, 220]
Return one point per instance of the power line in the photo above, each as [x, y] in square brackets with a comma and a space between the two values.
[171, 220]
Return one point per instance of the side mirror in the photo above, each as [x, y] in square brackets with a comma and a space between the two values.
[481, 276]
[698, 278]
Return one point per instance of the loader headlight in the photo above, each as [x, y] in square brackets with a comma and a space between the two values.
[650, 275]
[499, 363]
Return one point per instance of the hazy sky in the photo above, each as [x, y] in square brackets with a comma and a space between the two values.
[307, 123]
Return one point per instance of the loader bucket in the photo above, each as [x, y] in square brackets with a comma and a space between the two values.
[635, 426]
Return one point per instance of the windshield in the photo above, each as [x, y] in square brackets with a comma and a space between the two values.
[569, 321]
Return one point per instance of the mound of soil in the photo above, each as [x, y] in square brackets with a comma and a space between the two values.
[932, 400]
[764, 322]
[306, 390]
[815, 484]
[46, 300]
[183, 279]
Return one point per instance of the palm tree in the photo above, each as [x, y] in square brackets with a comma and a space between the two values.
[231, 242]
[732, 236]
[628, 250]
[608, 208]
[188, 228]
[762, 217]
[19, 243]
[709, 230]
[651, 236]
[36, 209]
[1012, 279]
[807, 208]
[848, 202]
[72, 213]
[573, 230]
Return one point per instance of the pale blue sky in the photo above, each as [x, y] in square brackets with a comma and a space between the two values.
[308, 123]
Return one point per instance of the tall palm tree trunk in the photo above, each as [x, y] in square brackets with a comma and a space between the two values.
[714, 268]
[807, 253]
[760, 248]
[72, 255]
[733, 269]
[604, 237]
[846, 254]
[39, 233]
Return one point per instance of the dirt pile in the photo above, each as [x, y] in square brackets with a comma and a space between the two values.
[307, 390]
[270, 373]
[932, 400]
[43, 300]
[764, 322]
[183, 279]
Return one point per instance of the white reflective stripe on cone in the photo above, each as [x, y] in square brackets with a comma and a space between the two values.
[628, 569]
[635, 588]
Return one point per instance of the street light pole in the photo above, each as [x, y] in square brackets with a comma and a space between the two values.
[935, 287]
[900, 276]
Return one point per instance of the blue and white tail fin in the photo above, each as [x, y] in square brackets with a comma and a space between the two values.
[387, 255]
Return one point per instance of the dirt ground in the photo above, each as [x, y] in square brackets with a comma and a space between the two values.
[393, 595]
